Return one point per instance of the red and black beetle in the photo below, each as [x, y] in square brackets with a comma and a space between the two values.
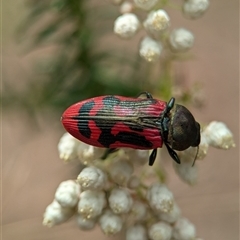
[141, 123]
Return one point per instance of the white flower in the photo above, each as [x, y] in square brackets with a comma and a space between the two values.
[85, 224]
[160, 198]
[195, 8]
[172, 216]
[126, 25]
[145, 4]
[184, 230]
[157, 22]
[87, 153]
[120, 171]
[160, 231]
[56, 214]
[67, 194]
[181, 40]
[67, 147]
[126, 7]
[136, 232]
[92, 178]
[91, 203]
[136, 156]
[110, 223]
[133, 182]
[139, 210]
[120, 201]
[218, 135]
[187, 172]
[150, 49]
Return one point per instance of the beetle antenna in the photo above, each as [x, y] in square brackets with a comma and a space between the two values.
[195, 156]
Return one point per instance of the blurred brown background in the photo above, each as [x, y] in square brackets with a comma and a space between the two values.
[31, 169]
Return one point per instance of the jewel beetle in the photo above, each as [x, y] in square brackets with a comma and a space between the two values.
[141, 123]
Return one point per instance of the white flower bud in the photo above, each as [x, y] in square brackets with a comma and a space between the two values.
[157, 22]
[92, 178]
[137, 156]
[160, 198]
[160, 231]
[145, 4]
[181, 40]
[85, 224]
[139, 211]
[120, 171]
[195, 8]
[218, 135]
[184, 230]
[136, 232]
[191, 153]
[91, 203]
[67, 147]
[110, 223]
[56, 214]
[172, 216]
[126, 7]
[187, 172]
[120, 201]
[134, 182]
[126, 25]
[67, 194]
[150, 49]
[87, 153]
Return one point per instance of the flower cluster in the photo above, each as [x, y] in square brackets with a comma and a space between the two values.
[119, 193]
[158, 36]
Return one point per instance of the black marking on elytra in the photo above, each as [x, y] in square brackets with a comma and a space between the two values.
[82, 123]
[110, 101]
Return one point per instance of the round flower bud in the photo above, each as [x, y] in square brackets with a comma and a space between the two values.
[160, 231]
[126, 7]
[133, 182]
[56, 214]
[87, 153]
[85, 224]
[139, 211]
[160, 198]
[145, 4]
[187, 171]
[138, 232]
[218, 135]
[172, 216]
[195, 8]
[92, 178]
[137, 156]
[184, 230]
[67, 147]
[157, 22]
[150, 49]
[120, 201]
[121, 171]
[67, 194]
[91, 203]
[110, 223]
[126, 25]
[181, 40]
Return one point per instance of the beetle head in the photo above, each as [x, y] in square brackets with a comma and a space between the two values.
[184, 131]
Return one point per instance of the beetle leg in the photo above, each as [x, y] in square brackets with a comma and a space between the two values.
[173, 154]
[170, 105]
[148, 95]
[152, 157]
[107, 152]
